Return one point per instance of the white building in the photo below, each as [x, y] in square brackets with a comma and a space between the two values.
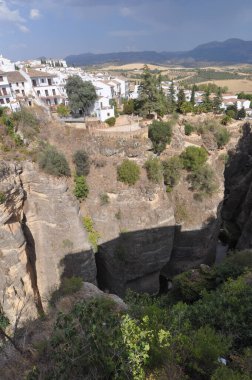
[102, 109]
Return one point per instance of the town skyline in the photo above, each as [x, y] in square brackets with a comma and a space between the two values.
[30, 29]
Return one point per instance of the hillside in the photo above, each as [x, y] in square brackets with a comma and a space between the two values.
[230, 51]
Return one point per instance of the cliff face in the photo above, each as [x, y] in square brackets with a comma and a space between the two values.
[41, 239]
[237, 207]
[16, 293]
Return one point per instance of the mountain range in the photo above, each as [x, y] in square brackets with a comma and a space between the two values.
[233, 50]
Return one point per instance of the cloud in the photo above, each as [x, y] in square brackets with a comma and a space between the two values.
[125, 11]
[34, 14]
[8, 15]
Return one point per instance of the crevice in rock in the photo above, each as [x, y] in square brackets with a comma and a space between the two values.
[31, 264]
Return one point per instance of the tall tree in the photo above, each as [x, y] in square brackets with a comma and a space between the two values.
[192, 99]
[207, 101]
[151, 96]
[81, 95]
[181, 99]
[217, 101]
[171, 100]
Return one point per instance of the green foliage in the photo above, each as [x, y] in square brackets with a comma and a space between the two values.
[226, 119]
[187, 107]
[104, 198]
[203, 180]
[62, 110]
[71, 285]
[81, 188]
[193, 157]
[172, 171]
[225, 373]
[231, 113]
[93, 235]
[27, 122]
[205, 348]
[53, 162]
[160, 134]
[222, 136]
[242, 95]
[81, 95]
[151, 97]
[2, 197]
[82, 163]
[189, 128]
[154, 170]
[111, 121]
[128, 172]
[128, 107]
[241, 114]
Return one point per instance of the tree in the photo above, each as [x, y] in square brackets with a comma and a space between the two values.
[171, 102]
[181, 99]
[217, 101]
[172, 170]
[62, 110]
[154, 170]
[53, 162]
[81, 95]
[151, 96]
[128, 107]
[192, 99]
[206, 100]
[160, 134]
[81, 189]
[241, 114]
[203, 180]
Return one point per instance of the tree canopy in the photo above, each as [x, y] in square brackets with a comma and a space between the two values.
[81, 95]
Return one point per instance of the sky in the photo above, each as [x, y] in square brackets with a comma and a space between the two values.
[57, 28]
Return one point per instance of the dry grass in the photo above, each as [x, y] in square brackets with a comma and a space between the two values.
[133, 66]
[234, 85]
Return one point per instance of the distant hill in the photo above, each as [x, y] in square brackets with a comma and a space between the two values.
[230, 51]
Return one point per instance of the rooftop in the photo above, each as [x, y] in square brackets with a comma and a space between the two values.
[15, 76]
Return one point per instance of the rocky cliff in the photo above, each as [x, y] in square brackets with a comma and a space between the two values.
[237, 207]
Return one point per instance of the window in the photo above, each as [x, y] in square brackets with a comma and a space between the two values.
[1, 79]
[34, 83]
[49, 82]
[17, 84]
[54, 92]
[22, 83]
[55, 101]
[42, 80]
[38, 93]
[17, 92]
[7, 100]
[46, 92]
[108, 114]
[23, 92]
[4, 91]
[1, 101]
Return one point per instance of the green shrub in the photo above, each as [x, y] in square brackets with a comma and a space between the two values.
[128, 172]
[222, 136]
[63, 111]
[154, 170]
[226, 119]
[104, 198]
[53, 162]
[203, 180]
[160, 134]
[193, 157]
[93, 235]
[2, 197]
[71, 285]
[172, 171]
[128, 107]
[81, 189]
[111, 121]
[225, 373]
[81, 161]
[188, 129]
[27, 123]
[231, 114]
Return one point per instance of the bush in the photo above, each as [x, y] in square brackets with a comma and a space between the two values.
[81, 161]
[93, 235]
[71, 285]
[172, 171]
[63, 111]
[203, 180]
[128, 172]
[53, 162]
[128, 107]
[193, 157]
[81, 189]
[188, 129]
[2, 197]
[231, 114]
[111, 121]
[27, 123]
[154, 170]
[160, 134]
[104, 198]
[225, 373]
[222, 136]
[226, 119]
